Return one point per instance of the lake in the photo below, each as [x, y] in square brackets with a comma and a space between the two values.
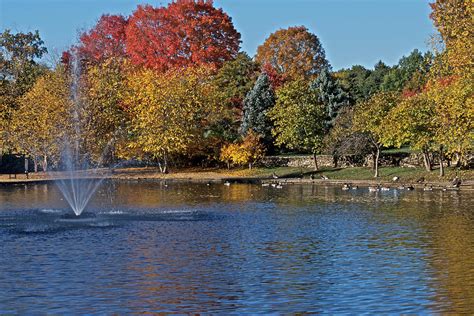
[197, 248]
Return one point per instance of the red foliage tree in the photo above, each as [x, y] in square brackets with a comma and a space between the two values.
[184, 33]
[105, 40]
[276, 79]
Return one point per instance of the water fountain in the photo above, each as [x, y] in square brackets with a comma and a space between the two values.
[81, 180]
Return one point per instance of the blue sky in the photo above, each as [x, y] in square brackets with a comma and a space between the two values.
[351, 31]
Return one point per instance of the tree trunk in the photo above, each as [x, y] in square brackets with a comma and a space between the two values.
[228, 165]
[26, 165]
[45, 163]
[335, 160]
[441, 158]
[250, 166]
[35, 163]
[315, 158]
[426, 160]
[376, 162]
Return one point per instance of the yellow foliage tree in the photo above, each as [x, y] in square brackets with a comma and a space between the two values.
[370, 117]
[43, 118]
[105, 116]
[249, 151]
[454, 116]
[170, 111]
[412, 122]
[455, 23]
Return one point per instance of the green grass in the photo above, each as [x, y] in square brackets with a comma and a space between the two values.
[402, 150]
[387, 173]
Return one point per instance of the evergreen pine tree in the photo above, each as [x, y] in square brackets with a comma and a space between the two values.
[257, 103]
[330, 94]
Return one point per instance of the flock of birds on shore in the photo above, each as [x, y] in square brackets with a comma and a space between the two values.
[348, 186]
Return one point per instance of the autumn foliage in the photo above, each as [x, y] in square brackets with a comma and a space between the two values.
[293, 52]
[105, 40]
[184, 33]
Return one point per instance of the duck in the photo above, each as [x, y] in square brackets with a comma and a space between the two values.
[346, 187]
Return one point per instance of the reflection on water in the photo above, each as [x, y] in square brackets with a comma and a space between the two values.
[156, 247]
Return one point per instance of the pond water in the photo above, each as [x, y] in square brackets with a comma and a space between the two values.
[155, 247]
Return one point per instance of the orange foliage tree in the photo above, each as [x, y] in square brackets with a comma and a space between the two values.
[293, 52]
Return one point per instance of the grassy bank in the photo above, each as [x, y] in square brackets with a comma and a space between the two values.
[387, 173]
[406, 175]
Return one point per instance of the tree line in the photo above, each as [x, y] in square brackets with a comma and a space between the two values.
[170, 84]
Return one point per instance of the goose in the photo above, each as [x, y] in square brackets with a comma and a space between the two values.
[384, 189]
[427, 188]
[227, 183]
[311, 176]
[324, 177]
[395, 179]
[421, 180]
[279, 186]
[456, 182]
[373, 189]
[410, 188]
[354, 187]
[346, 187]
[274, 176]
[401, 187]
[265, 184]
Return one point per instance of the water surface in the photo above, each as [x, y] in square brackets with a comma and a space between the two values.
[155, 247]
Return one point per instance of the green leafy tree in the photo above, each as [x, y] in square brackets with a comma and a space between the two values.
[235, 79]
[410, 72]
[370, 117]
[299, 118]
[353, 81]
[258, 102]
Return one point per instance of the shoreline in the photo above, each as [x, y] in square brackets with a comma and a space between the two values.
[216, 178]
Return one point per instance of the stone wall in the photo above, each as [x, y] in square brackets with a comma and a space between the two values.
[308, 162]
